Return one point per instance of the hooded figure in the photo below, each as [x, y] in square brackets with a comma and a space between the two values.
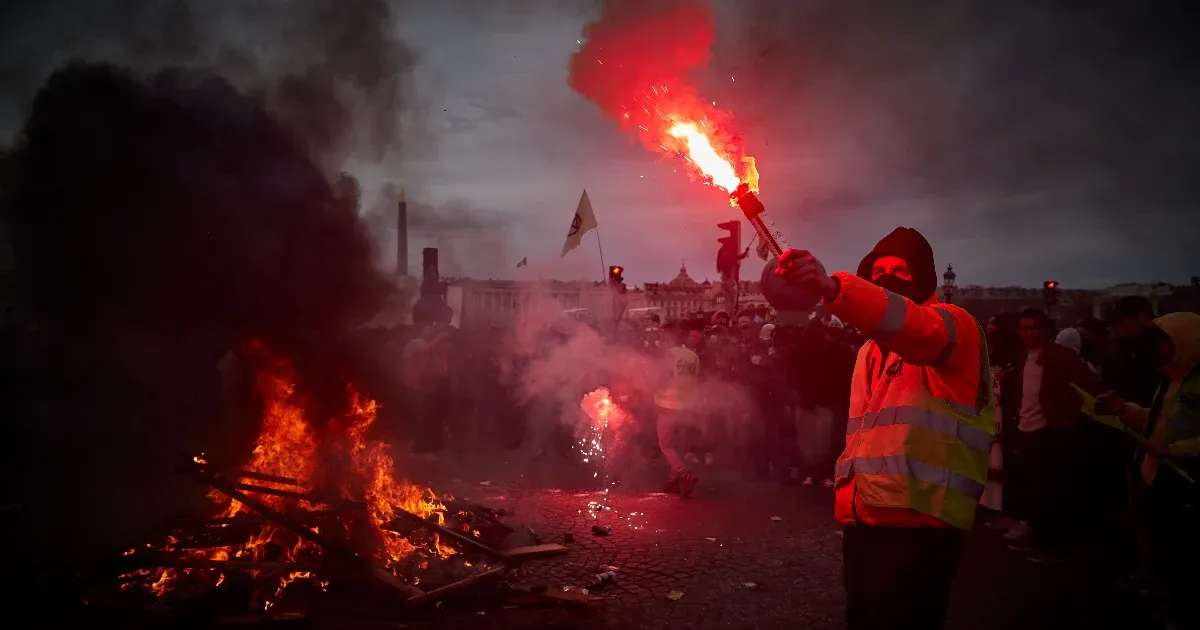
[1173, 424]
[919, 433]
[910, 245]
[1173, 421]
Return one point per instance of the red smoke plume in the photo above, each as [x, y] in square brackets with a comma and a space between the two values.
[635, 63]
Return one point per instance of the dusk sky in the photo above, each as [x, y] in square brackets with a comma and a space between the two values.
[1050, 140]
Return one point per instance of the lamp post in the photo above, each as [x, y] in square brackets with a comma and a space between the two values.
[948, 284]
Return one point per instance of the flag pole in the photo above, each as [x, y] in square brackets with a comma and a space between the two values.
[603, 267]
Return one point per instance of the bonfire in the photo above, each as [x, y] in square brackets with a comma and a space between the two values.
[316, 508]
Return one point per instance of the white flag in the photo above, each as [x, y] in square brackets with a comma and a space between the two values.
[583, 221]
[763, 250]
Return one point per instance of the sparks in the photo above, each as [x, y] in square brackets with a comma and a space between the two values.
[605, 416]
[644, 90]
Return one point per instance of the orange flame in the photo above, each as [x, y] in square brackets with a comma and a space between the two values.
[705, 157]
[372, 463]
[677, 123]
[287, 447]
[600, 408]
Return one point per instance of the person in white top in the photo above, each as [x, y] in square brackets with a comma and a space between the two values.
[1046, 443]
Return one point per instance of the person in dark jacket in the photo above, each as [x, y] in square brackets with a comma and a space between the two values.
[1134, 377]
[816, 391]
[764, 378]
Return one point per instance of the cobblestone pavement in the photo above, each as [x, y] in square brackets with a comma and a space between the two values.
[763, 555]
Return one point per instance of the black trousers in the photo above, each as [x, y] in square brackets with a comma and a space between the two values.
[1174, 519]
[1045, 467]
[898, 577]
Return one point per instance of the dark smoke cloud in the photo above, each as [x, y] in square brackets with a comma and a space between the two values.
[334, 71]
[157, 224]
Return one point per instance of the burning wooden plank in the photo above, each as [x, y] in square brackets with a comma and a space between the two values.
[227, 565]
[536, 551]
[466, 541]
[457, 587]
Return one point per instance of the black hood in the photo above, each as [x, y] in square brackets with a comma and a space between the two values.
[910, 245]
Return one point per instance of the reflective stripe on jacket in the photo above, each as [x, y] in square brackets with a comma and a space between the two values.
[922, 415]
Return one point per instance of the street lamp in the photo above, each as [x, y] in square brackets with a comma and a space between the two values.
[948, 284]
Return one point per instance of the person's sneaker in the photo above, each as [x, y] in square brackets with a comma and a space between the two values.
[1020, 529]
[1041, 556]
[671, 486]
[828, 483]
[687, 483]
[708, 459]
[807, 481]
[1003, 522]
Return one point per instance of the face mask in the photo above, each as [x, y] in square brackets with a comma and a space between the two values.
[896, 285]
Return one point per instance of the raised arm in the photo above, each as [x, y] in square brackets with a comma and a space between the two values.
[921, 335]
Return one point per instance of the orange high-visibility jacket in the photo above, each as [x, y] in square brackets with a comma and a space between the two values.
[922, 423]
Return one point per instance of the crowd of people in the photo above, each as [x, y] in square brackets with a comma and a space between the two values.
[765, 401]
[1058, 480]
[761, 396]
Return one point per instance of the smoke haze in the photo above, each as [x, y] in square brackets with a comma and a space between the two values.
[338, 74]
[156, 225]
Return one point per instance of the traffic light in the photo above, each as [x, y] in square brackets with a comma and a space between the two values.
[731, 248]
[1050, 292]
[616, 278]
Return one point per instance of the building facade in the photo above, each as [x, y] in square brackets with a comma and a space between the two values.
[485, 302]
[683, 297]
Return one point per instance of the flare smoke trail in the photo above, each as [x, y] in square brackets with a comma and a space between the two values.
[636, 63]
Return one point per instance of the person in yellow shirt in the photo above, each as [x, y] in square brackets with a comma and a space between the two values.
[676, 402]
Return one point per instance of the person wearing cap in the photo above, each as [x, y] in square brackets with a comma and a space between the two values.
[922, 421]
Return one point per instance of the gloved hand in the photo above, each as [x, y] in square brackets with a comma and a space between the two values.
[796, 281]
